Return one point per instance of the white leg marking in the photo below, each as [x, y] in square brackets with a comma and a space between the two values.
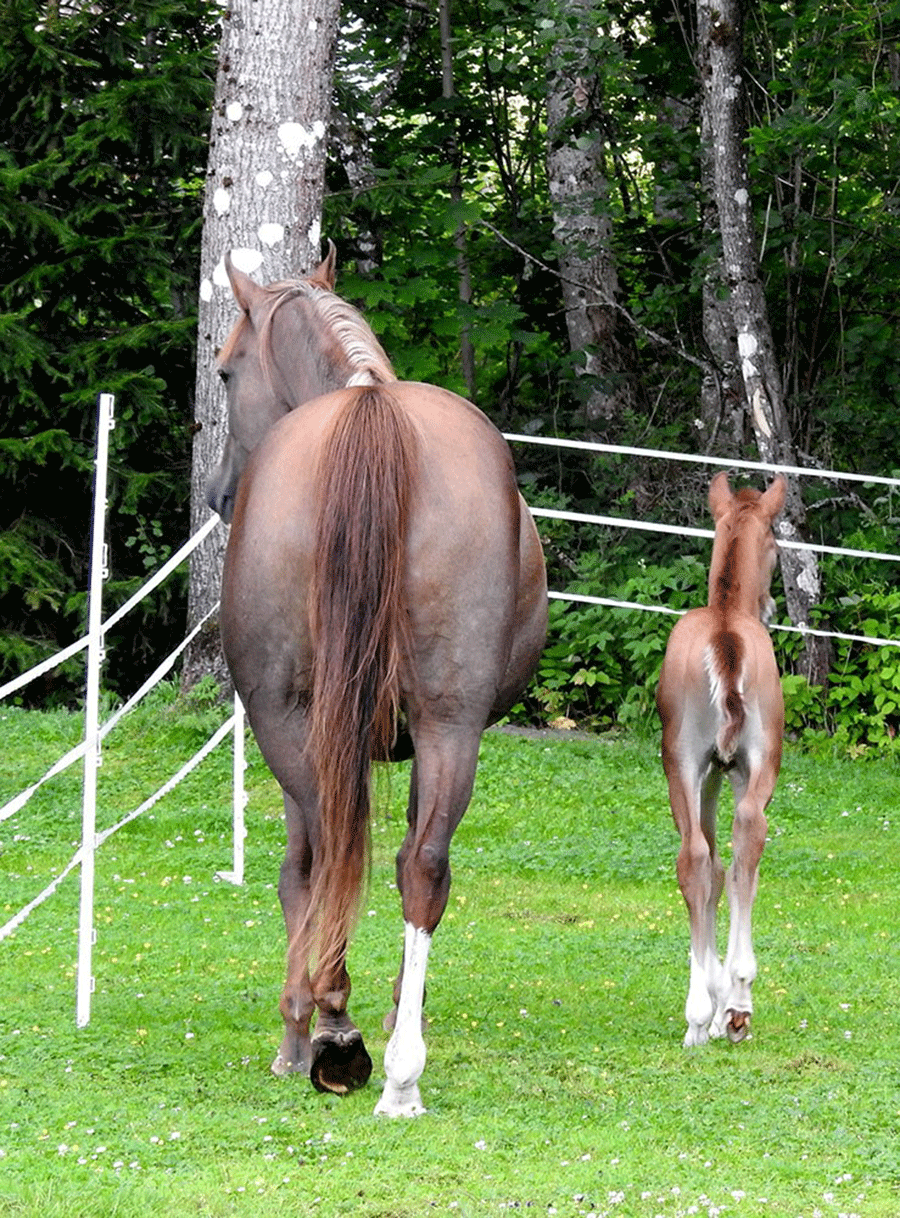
[740, 961]
[699, 1009]
[404, 1057]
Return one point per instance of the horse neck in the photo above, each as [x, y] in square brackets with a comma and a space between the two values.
[737, 573]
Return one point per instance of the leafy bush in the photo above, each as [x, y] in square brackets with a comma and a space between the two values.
[859, 709]
[602, 664]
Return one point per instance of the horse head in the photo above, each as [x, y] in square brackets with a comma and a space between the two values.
[258, 390]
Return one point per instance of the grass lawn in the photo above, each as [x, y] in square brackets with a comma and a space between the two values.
[556, 1081]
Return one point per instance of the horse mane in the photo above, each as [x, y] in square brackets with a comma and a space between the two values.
[727, 583]
[346, 335]
[725, 656]
[353, 334]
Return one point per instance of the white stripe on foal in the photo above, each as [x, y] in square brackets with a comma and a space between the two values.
[404, 1057]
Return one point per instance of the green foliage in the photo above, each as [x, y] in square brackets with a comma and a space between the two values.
[490, 136]
[102, 140]
[859, 709]
[602, 664]
[825, 138]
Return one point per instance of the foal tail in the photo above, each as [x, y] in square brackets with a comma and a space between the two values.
[359, 628]
[724, 661]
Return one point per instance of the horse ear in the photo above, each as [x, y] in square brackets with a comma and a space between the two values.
[325, 272]
[773, 498]
[719, 495]
[246, 290]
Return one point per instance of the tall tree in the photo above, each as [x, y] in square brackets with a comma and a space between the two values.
[102, 146]
[581, 222]
[448, 91]
[720, 32]
[264, 188]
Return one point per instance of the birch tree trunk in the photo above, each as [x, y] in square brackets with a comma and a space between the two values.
[720, 36]
[264, 188]
[722, 399]
[583, 231]
[448, 91]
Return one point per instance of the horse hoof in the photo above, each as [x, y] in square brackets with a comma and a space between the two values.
[339, 1064]
[738, 1026]
[695, 1036]
[400, 1102]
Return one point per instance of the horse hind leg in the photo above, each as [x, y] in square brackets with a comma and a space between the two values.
[334, 1057]
[444, 776]
[390, 1020]
[297, 1006]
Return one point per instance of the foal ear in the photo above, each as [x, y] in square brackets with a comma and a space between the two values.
[772, 499]
[325, 272]
[246, 290]
[720, 495]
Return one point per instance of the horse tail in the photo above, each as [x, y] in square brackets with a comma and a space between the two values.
[725, 658]
[359, 628]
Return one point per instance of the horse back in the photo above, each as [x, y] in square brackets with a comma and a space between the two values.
[473, 585]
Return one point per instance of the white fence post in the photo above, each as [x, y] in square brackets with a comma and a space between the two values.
[92, 757]
[238, 799]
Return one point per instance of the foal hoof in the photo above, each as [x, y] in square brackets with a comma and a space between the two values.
[738, 1026]
[282, 1066]
[339, 1064]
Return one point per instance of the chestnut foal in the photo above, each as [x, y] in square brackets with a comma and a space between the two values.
[720, 702]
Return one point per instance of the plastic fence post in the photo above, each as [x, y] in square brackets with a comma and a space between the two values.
[238, 799]
[92, 757]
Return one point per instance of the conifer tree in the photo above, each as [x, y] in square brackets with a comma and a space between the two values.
[102, 144]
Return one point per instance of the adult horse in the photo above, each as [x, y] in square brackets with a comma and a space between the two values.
[383, 592]
[720, 701]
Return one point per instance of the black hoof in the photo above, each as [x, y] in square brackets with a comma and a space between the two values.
[339, 1065]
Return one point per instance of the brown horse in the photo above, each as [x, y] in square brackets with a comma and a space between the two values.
[383, 593]
[720, 701]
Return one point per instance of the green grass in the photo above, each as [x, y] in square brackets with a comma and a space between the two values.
[556, 1081]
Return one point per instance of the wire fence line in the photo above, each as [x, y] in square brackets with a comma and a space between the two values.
[623, 450]
[235, 724]
[673, 530]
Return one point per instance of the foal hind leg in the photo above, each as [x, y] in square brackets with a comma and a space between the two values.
[700, 877]
[444, 776]
[749, 839]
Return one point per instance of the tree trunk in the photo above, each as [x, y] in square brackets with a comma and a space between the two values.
[722, 399]
[448, 90]
[583, 230]
[264, 188]
[720, 36]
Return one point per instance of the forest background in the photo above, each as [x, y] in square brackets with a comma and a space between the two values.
[102, 166]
